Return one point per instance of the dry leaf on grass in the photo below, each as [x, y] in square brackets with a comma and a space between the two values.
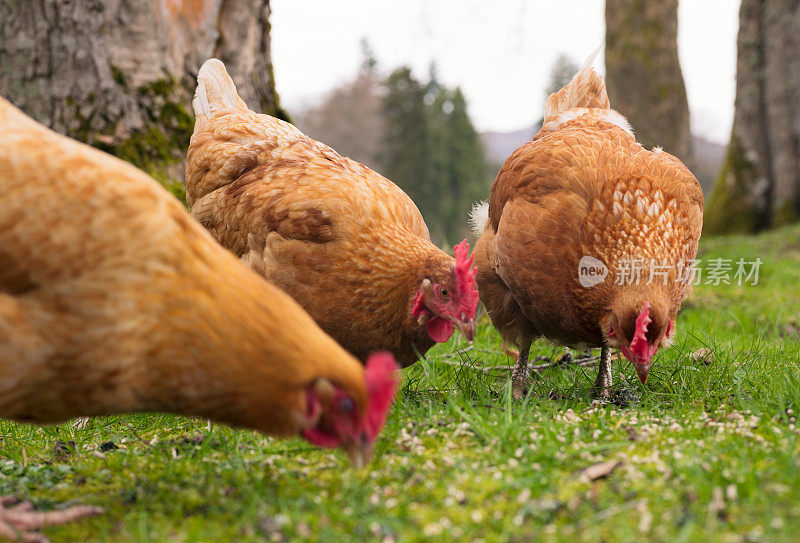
[598, 471]
[705, 356]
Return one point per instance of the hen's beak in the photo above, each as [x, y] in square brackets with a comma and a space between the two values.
[359, 450]
[467, 328]
[642, 370]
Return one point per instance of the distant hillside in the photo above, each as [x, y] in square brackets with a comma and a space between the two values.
[708, 156]
[499, 145]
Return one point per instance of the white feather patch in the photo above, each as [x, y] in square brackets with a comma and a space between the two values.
[615, 118]
[608, 115]
[478, 217]
[200, 102]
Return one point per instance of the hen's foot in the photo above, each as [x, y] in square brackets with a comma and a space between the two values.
[19, 522]
[602, 385]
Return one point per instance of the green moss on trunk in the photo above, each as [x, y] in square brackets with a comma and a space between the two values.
[731, 208]
[787, 214]
[159, 148]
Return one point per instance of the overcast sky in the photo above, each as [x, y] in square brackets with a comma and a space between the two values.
[500, 52]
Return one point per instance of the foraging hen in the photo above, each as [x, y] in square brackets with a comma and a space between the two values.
[343, 241]
[112, 300]
[587, 237]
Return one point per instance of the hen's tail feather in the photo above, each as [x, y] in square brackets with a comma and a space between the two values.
[215, 90]
[587, 89]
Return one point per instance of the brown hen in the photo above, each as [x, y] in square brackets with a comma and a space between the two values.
[581, 199]
[342, 240]
[113, 299]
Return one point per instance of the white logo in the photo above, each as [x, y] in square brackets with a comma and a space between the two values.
[591, 271]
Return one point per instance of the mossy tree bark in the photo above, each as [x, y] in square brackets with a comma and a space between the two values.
[759, 185]
[643, 75]
[120, 74]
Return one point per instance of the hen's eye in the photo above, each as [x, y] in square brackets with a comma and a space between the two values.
[443, 292]
[346, 404]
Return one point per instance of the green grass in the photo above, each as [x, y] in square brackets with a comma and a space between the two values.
[707, 452]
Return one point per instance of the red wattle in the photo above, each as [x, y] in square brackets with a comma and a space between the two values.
[440, 329]
[321, 438]
[382, 375]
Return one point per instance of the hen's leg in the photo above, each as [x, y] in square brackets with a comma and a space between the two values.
[602, 384]
[20, 522]
[519, 377]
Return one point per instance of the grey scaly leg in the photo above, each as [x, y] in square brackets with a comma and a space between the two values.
[519, 376]
[602, 384]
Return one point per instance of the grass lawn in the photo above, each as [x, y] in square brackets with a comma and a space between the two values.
[705, 451]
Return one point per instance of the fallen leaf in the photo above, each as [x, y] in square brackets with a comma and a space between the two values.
[510, 351]
[105, 139]
[705, 356]
[598, 471]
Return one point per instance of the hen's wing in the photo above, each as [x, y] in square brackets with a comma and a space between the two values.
[248, 175]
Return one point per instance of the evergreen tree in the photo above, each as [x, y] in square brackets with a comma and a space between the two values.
[433, 152]
[437, 113]
[407, 139]
[369, 62]
[468, 171]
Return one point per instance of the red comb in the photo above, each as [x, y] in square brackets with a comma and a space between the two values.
[639, 345]
[383, 377]
[465, 278]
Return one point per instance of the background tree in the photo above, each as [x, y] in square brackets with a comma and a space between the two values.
[433, 152]
[440, 196]
[349, 118]
[561, 73]
[119, 74]
[407, 158]
[759, 185]
[468, 173]
[643, 75]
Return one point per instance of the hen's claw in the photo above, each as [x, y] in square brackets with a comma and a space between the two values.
[19, 522]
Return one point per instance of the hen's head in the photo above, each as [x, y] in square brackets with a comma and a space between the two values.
[340, 422]
[448, 299]
[639, 331]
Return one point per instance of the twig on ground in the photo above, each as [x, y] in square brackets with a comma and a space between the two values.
[19, 521]
[580, 362]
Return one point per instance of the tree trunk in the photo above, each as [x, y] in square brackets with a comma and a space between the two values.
[643, 75]
[120, 74]
[759, 185]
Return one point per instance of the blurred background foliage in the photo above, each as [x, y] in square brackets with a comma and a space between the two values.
[416, 133]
